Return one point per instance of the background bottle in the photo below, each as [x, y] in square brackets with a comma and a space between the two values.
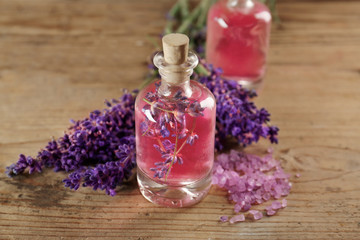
[175, 129]
[238, 33]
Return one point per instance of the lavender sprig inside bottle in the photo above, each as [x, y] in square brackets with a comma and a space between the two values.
[166, 120]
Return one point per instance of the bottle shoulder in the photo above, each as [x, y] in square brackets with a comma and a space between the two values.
[203, 89]
[222, 9]
[148, 88]
[199, 92]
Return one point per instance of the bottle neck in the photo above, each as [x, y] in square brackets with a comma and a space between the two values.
[175, 78]
[168, 90]
[240, 3]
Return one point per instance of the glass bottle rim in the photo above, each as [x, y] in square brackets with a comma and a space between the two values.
[188, 66]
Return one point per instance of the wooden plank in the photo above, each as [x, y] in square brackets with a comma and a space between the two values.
[61, 59]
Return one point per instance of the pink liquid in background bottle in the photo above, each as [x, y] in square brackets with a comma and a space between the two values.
[238, 39]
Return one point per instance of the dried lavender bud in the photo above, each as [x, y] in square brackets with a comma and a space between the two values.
[22, 164]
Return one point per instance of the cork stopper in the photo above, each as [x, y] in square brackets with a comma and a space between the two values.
[175, 47]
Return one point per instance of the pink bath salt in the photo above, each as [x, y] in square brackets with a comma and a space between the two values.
[284, 203]
[270, 212]
[238, 207]
[224, 218]
[276, 205]
[256, 214]
[214, 180]
[218, 170]
[266, 196]
[252, 180]
[222, 181]
[233, 178]
[237, 218]
[246, 207]
[298, 175]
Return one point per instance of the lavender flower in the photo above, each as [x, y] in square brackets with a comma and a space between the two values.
[191, 139]
[195, 109]
[236, 115]
[22, 164]
[105, 139]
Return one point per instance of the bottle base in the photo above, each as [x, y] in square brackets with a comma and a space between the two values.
[247, 83]
[173, 196]
[251, 85]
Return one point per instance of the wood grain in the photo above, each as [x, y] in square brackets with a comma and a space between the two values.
[59, 59]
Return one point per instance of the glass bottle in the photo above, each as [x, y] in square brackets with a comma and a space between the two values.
[238, 39]
[175, 128]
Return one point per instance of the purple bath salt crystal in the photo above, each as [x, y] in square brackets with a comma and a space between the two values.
[284, 203]
[276, 205]
[297, 175]
[218, 170]
[233, 178]
[270, 212]
[241, 187]
[246, 207]
[256, 214]
[215, 180]
[267, 186]
[278, 190]
[234, 155]
[222, 181]
[266, 196]
[251, 182]
[224, 218]
[237, 218]
[238, 207]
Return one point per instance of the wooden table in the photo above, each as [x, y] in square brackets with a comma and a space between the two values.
[61, 59]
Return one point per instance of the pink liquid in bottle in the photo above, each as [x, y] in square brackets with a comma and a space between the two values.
[175, 131]
[196, 158]
[238, 39]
